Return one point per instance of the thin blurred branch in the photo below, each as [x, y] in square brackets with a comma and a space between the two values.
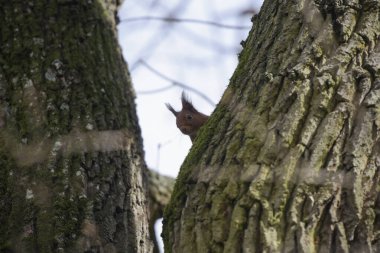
[211, 43]
[161, 34]
[159, 146]
[148, 92]
[184, 20]
[174, 84]
[248, 12]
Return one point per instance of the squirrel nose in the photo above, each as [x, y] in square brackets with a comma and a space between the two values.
[185, 130]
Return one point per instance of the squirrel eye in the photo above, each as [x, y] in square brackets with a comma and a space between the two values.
[189, 116]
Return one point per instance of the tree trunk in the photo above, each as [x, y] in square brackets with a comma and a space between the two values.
[71, 159]
[289, 161]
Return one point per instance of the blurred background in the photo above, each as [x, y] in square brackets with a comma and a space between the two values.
[179, 45]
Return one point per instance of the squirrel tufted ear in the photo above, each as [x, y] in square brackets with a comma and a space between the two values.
[186, 102]
[171, 109]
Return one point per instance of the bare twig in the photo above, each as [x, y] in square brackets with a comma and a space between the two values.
[161, 34]
[147, 92]
[174, 83]
[184, 20]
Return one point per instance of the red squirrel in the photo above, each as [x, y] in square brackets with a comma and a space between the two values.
[188, 120]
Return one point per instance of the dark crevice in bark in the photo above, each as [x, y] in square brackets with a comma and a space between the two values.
[223, 157]
[259, 244]
[272, 189]
[296, 243]
[287, 209]
[334, 241]
[324, 222]
[302, 123]
[331, 152]
[376, 223]
[302, 210]
[320, 116]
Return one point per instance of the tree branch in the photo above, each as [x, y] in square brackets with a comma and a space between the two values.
[184, 20]
[174, 83]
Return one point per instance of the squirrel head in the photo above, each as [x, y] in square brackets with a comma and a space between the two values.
[189, 119]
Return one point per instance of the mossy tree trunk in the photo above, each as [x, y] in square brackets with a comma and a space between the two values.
[289, 161]
[71, 159]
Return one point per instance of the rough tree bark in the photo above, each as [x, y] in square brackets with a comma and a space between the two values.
[289, 161]
[71, 159]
